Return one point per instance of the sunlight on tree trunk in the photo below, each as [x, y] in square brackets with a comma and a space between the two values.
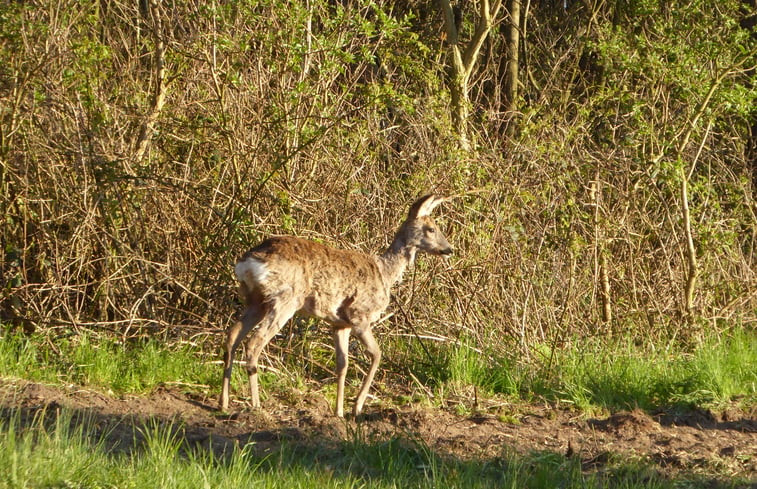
[511, 75]
[159, 84]
[464, 59]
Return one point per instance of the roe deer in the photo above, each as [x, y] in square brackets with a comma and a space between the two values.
[348, 289]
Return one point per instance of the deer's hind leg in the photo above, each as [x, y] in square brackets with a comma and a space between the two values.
[279, 310]
[374, 353]
[254, 312]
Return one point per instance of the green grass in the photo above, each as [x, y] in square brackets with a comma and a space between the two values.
[57, 449]
[609, 374]
[587, 374]
[104, 362]
[714, 373]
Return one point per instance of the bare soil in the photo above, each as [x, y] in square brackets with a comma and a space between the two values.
[724, 444]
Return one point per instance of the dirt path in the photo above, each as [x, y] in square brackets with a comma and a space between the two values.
[724, 444]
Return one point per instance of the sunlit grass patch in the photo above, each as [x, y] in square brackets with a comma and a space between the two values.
[588, 374]
[623, 375]
[104, 362]
[605, 374]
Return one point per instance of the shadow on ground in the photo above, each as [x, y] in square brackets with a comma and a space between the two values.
[550, 446]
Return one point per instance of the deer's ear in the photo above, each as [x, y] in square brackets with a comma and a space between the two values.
[424, 206]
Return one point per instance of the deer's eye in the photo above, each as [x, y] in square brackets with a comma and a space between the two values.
[430, 230]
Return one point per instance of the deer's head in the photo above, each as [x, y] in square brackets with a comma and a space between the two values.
[421, 232]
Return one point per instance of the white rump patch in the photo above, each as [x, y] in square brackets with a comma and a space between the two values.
[251, 269]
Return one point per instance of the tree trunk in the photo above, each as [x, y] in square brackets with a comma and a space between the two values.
[600, 252]
[460, 107]
[691, 252]
[511, 74]
[748, 22]
[159, 84]
[463, 61]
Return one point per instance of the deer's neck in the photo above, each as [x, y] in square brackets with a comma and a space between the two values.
[395, 260]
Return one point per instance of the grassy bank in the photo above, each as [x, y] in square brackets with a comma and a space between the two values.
[58, 449]
[605, 375]
[103, 362]
[67, 447]
[588, 375]
[711, 374]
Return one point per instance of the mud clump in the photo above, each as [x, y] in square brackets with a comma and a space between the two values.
[627, 425]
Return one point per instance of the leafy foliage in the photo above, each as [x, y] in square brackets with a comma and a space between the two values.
[324, 119]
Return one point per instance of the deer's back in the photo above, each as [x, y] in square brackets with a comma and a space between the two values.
[343, 287]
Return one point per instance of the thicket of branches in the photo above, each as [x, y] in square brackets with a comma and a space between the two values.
[145, 145]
